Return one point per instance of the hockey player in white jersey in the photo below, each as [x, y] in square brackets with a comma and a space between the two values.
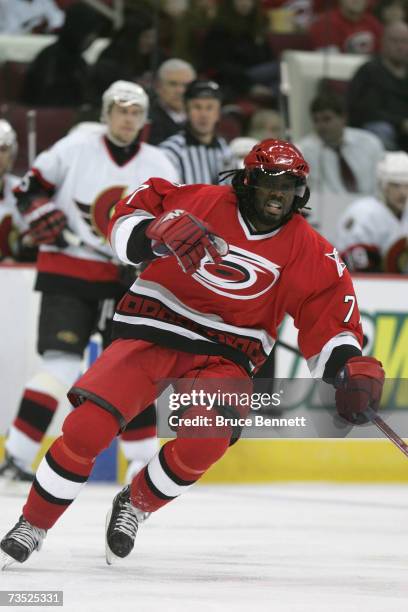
[372, 233]
[66, 199]
[12, 225]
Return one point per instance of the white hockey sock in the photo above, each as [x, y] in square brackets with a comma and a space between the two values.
[138, 453]
[41, 397]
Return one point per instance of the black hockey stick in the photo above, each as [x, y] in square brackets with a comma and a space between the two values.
[386, 430]
[288, 347]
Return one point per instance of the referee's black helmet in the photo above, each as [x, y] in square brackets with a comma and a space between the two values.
[203, 89]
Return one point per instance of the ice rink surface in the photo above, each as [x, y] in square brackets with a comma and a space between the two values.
[283, 548]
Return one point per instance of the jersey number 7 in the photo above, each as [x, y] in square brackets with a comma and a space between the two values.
[352, 299]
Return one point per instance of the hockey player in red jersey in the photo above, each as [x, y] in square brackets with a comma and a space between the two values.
[227, 263]
[66, 200]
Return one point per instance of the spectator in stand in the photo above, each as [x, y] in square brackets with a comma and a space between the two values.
[190, 30]
[300, 12]
[349, 28]
[168, 15]
[266, 123]
[58, 75]
[198, 154]
[133, 55]
[342, 159]
[390, 11]
[319, 6]
[167, 114]
[308, 7]
[174, 8]
[237, 53]
[27, 16]
[378, 92]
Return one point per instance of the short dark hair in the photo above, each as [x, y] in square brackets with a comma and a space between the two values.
[327, 101]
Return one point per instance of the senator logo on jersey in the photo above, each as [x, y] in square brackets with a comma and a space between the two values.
[242, 275]
[97, 214]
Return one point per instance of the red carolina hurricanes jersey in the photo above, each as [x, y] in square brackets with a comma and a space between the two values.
[234, 308]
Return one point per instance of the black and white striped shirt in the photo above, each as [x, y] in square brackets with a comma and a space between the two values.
[197, 162]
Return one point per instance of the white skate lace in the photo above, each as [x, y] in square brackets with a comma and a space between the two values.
[29, 536]
[129, 518]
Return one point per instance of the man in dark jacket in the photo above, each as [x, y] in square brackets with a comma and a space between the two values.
[57, 76]
[378, 92]
[167, 113]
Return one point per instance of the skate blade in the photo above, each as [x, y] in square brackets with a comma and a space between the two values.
[6, 560]
[109, 555]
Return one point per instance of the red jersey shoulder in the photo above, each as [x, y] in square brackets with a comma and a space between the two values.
[313, 254]
[158, 195]
[200, 200]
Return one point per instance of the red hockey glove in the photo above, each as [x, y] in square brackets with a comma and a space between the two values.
[359, 386]
[45, 221]
[188, 238]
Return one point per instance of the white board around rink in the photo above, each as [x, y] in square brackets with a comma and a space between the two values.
[19, 312]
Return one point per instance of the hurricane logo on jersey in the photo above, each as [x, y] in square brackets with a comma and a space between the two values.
[241, 275]
[97, 215]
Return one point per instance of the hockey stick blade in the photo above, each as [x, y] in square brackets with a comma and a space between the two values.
[386, 430]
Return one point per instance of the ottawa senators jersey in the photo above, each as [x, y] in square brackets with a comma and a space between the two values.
[371, 238]
[11, 222]
[84, 181]
[234, 308]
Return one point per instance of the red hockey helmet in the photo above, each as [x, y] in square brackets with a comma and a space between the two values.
[274, 158]
[277, 157]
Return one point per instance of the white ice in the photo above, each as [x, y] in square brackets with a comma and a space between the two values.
[283, 548]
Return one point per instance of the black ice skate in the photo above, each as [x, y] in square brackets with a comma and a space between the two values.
[9, 470]
[122, 523]
[19, 543]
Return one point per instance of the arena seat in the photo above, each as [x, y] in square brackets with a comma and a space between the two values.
[11, 80]
[297, 41]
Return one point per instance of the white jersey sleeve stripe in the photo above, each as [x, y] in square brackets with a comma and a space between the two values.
[317, 363]
[122, 231]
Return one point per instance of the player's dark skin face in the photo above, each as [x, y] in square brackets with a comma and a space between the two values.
[273, 199]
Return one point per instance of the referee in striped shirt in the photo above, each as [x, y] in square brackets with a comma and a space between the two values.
[196, 151]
